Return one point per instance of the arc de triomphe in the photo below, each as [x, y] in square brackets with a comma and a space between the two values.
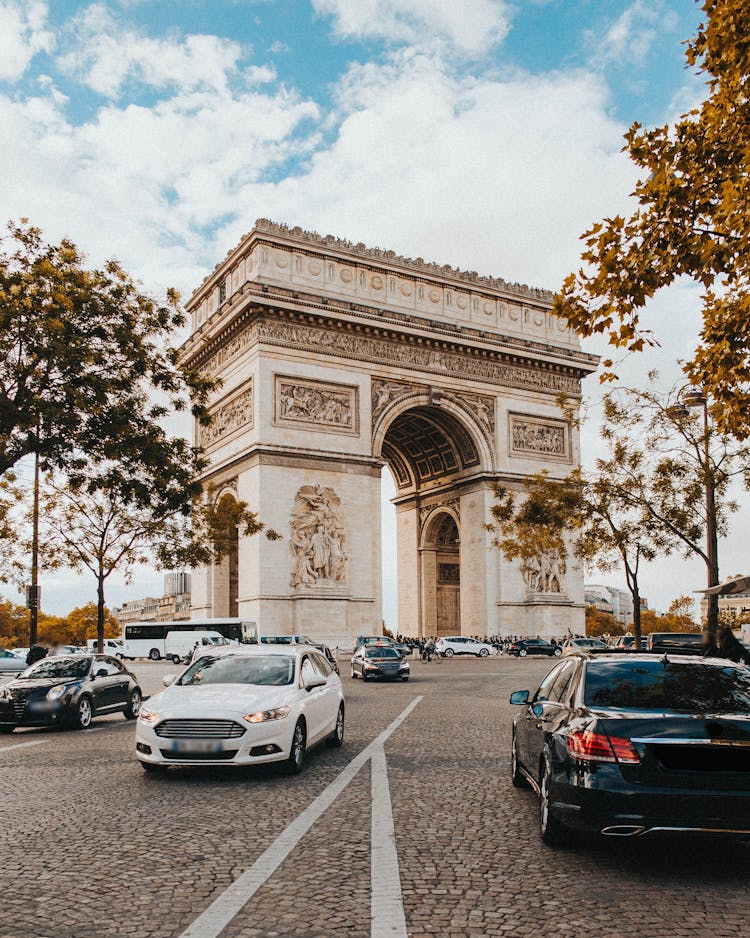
[337, 359]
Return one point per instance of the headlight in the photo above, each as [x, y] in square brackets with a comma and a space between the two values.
[263, 715]
[148, 716]
[55, 693]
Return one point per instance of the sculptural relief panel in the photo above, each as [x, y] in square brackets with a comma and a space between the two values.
[230, 416]
[326, 406]
[539, 438]
[316, 538]
[545, 573]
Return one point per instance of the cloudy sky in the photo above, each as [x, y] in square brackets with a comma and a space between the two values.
[485, 133]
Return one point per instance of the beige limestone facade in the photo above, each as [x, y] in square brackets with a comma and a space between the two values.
[336, 360]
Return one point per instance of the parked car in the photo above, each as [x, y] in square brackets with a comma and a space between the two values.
[460, 645]
[379, 661]
[58, 650]
[179, 645]
[243, 705]
[296, 639]
[112, 646]
[21, 652]
[534, 646]
[625, 641]
[630, 745]
[582, 644]
[675, 642]
[384, 640]
[69, 690]
[10, 661]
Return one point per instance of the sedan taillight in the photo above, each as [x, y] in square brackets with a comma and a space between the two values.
[598, 747]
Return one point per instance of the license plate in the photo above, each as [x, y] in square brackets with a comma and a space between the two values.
[42, 706]
[195, 745]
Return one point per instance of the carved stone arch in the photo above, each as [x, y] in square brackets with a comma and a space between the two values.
[431, 522]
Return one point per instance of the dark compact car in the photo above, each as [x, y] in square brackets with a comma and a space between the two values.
[379, 640]
[534, 646]
[379, 661]
[626, 745]
[69, 690]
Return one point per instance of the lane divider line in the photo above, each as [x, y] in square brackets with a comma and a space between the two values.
[387, 916]
[32, 742]
[214, 919]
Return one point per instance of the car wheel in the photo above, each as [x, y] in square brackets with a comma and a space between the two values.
[522, 653]
[557, 652]
[516, 775]
[153, 767]
[354, 675]
[6, 729]
[134, 705]
[337, 736]
[154, 654]
[176, 659]
[365, 675]
[483, 652]
[448, 653]
[554, 834]
[84, 713]
[296, 759]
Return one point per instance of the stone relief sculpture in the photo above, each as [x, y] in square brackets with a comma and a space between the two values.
[316, 537]
[228, 417]
[304, 402]
[481, 406]
[384, 392]
[544, 573]
[538, 438]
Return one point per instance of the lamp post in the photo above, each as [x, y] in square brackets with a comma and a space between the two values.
[694, 398]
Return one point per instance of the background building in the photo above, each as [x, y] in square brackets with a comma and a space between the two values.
[616, 602]
[173, 606]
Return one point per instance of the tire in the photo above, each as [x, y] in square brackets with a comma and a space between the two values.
[365, 676]
[517, 777]
[553, 833]
[153, 767]
[522, 653]
[296, 761]
[6, 730]
[483, 653]
[154, 654]
[337, 736]
[176, 659]
[354, 675]
[557, 652]
[84, 713]
[134, 704]
[448, 653]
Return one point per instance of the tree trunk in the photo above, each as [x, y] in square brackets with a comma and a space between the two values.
[100, 615]
[636, 617]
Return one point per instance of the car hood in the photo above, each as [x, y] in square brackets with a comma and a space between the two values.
[196, 701]
[42, 683]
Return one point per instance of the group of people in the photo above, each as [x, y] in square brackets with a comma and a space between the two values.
[724, 644]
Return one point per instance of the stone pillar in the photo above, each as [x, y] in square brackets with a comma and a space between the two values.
[428, 594]
[407, 541]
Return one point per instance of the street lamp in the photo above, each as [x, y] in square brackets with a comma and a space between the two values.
[695, 399]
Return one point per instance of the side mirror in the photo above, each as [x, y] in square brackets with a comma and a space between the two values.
[102, 672]
[315, 682]
[168, 679]
[519, 697]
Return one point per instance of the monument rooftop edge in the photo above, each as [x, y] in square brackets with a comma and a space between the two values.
[337, 276]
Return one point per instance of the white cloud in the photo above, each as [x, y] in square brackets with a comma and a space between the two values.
[23, 33]
[105, 54]
[629, 39]
[472, 26]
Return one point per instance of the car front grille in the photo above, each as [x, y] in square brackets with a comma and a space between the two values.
[20, 697]
[223, 756]
[199, 729]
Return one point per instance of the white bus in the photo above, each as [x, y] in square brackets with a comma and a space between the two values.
[147, 639]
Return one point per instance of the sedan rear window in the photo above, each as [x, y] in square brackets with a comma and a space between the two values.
[675, 686]
[240, 669]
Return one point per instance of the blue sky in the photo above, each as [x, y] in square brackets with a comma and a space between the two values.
[485, 133]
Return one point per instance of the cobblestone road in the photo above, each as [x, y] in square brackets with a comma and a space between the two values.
[94, 848]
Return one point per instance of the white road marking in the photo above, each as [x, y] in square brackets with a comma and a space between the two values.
[226, 906]
[33, 742]
[386, 903]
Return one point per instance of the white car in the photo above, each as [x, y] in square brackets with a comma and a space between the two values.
[243, 706]
[460, 645]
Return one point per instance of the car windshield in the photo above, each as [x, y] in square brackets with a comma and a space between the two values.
[674, 686]
[240, 669]
[59, 667]
[381, 653]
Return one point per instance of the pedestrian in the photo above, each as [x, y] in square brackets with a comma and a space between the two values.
[731, 648]
[709, 645]
[35, 653]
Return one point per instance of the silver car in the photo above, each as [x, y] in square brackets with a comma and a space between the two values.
[10, 661]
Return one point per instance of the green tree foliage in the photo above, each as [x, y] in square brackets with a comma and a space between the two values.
[600, 623]
[86, 371]
[692, 220]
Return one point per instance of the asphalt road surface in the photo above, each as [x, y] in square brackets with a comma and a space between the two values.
[411, 828]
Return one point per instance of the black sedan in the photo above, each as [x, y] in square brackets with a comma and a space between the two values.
[534, 646]
[632, 744]
[69, 690]
[372, 661]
